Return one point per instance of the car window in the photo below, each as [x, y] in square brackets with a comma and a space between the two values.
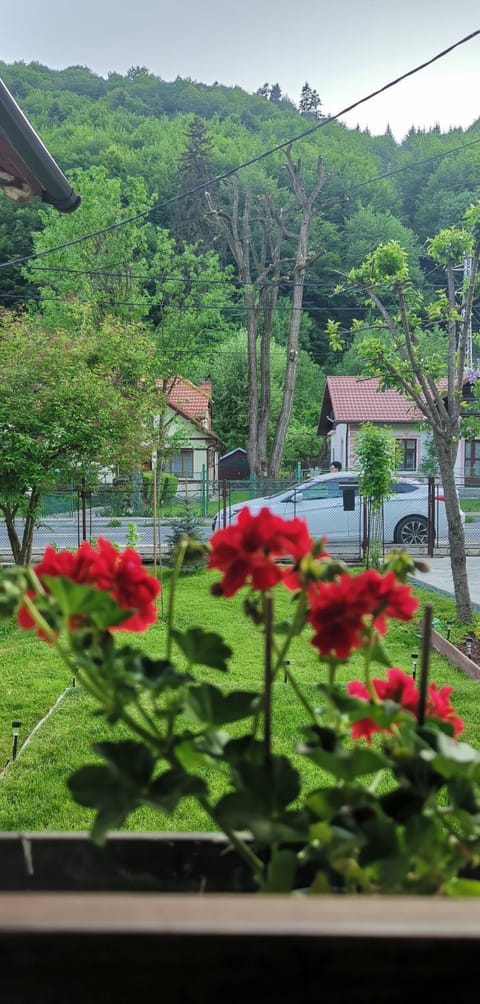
[322, 490]
[402, 487]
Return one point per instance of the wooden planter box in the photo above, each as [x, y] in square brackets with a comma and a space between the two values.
[68, 946]
[455, 656]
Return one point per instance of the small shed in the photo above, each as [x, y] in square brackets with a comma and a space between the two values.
[234, 466]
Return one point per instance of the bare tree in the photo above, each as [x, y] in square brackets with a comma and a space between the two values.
[257, 235]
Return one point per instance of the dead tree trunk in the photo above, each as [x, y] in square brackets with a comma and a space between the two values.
[256, 240]
[306, 202]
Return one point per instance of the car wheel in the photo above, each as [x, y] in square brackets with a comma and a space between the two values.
[411, 530]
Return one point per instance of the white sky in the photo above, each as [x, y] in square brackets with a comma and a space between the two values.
[344, 49]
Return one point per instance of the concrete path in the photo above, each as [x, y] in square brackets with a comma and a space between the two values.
[439, 577]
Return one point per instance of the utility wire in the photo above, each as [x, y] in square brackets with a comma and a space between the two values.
[238, 282]
[253, 160]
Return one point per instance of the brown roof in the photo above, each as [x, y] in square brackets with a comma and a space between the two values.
[352, 400]
[27, 168]
[193, 403]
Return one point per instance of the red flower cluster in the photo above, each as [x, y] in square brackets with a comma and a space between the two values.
[338, 609]
[245, 551]
[400, 687]
[119, 573]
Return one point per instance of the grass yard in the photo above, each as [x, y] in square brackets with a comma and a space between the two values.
[33, 794]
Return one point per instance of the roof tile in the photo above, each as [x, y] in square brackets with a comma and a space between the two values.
[361, 400]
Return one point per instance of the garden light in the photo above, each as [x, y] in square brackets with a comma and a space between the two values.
[15, 733]
[414, 658]
[468, 641]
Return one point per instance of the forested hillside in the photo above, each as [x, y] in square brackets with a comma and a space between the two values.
[131, 144]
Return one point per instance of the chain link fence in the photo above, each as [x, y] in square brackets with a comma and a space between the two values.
[128, 514]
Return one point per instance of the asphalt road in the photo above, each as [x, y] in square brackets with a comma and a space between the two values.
[65, 532]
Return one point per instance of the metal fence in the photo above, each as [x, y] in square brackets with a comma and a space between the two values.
[128, 514]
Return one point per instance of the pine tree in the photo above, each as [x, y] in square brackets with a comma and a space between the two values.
[310, 102]
[194, 167]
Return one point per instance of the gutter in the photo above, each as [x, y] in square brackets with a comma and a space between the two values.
[31, 170]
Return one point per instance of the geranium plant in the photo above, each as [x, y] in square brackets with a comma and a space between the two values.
[397, 804]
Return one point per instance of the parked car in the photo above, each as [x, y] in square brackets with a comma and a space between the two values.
[330, 505]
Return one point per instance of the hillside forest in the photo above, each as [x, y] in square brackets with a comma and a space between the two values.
[252, 262]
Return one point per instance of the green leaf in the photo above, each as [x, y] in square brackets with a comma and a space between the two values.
[347, 764]
[78, 600]
[452, 758]
[462, 887]
[203, 648]
[401, 804]
[280, 872]
[157, 674]
[130, 758]
[379, 653]
[91, 785]
[381, 840]
[206, 704]
[167, 790]
[243, 810]
[274, 784]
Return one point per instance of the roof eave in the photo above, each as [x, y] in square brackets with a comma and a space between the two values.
[31, 160]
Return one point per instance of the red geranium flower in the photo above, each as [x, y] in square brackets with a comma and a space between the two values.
[365, 727]
[103, 567]
[400, 688]
[245, 551]
[438, 706]
[338, 610]
[337, 613]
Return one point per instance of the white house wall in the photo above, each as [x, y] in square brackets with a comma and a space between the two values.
[342, 442]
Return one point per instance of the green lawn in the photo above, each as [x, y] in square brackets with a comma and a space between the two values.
[33, 794]
[470, 505]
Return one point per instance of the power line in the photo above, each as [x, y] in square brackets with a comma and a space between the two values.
[238, 282]
[248, 163]
[237, 308]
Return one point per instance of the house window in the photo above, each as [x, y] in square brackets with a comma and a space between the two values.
[472, 462]
[181, 464]
[407, 454]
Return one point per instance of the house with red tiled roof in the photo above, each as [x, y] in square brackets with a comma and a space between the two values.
[189, 416]
[348, 402]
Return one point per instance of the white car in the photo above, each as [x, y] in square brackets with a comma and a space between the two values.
[331, 507]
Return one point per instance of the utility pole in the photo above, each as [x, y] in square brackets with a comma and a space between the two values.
[467, 273]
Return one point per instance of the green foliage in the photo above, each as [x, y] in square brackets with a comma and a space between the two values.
[375, 452]
[187, 524]
[450, 246]
[66, 404]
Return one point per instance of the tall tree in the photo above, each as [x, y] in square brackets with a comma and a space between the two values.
[310, 102]
[65, 404]
[85, 282]
[258, 240]
[189, 223]
[401, 355]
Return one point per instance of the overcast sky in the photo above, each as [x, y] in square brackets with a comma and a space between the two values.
[344, 49]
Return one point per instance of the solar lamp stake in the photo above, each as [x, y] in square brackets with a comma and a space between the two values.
[15, 733]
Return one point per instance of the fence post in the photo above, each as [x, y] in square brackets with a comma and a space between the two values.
[83, 501]
[224, 503]
[431, 517]
[204, 492]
